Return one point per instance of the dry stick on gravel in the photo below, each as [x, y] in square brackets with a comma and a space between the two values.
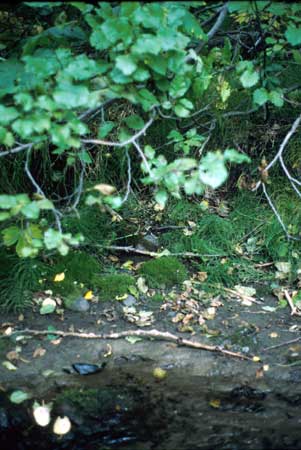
[282, 344]
[152, 334]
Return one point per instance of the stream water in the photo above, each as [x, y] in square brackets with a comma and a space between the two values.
[185, 414]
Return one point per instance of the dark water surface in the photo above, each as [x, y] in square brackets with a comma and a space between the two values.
[185, 415]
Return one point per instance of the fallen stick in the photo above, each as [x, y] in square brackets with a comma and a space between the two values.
[294, 309]
[130, 249]
[155, 334]
[282, 344]
[242, 296]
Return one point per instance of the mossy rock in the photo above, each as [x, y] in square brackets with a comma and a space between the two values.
[79, 268]
[113, 285]
[164, 272]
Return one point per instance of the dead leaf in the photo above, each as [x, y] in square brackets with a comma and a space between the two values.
[55, 342]
[9, 366]
[273, 335]
[259, 373]
[108, 352]
[201, 276]
[178, 318]
[141, 285]
[215, 403]
[39, 351]
[113, 258]
[104, 189]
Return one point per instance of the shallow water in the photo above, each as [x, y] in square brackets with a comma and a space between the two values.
[185, 414]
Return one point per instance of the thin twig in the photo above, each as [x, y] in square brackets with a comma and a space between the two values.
[130, 249]
[282, 344]
[128, 187]
[213, 30]
[17, 149]
[131, 140]
[39, 190]
[152, 334]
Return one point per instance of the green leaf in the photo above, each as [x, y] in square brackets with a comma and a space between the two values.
[70, 96]
[8, 201]
[179, 86]
[147, 43]
[249, 78]
[52, 238]
[117, 29]
[44, 204]
[105, 129]
[99, 41]
[4, 216]
[134, 122]
[181, 111]
[212, 170]
[23, 127]
[25, 100]
[234, 156]
[19, 397]
[260, 96]
[7, 114]
[126, 64]
[147, 99]
[161, 197]
[10, 235]
[31, 211]
[83, 68]
[276, 98]
[85, 157]
[293, 35]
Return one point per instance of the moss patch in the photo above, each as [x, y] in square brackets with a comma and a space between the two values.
[78, 267]
[113, 285]
[167, 271]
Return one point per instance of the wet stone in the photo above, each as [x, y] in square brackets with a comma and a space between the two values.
[130, 301]
[80, 305]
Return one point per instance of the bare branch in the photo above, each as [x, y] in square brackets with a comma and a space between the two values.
[124, 143]
[128, 187]
[284, 142]
[39, 190]
[216, 26]
[17, 149]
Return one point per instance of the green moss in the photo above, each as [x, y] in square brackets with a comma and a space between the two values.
[167, 271]
[84, 400]
[113, 285]
[79, 267]
[157, 298]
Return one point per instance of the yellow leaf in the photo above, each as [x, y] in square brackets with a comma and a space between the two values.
[128, 265]
[121, 297]
[215, 403]
[256, 358]
[59, 277]
[88, 295]
[159, 373]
